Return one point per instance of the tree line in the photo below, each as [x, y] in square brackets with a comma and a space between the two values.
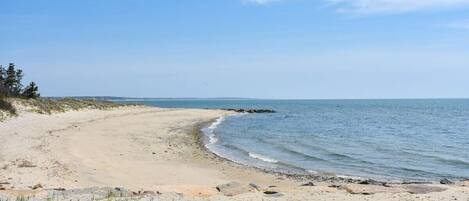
[11, 83]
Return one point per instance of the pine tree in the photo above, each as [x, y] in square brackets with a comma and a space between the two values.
[2, 74]
[10, 83]
[10, 80]
[31, 91]
[18, 85]
[3, 89]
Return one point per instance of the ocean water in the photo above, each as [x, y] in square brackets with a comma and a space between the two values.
[404, 140]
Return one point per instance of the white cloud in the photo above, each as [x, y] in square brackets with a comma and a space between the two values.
[382, 6]
[394, 6]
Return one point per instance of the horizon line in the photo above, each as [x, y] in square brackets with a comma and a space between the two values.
[247, 98]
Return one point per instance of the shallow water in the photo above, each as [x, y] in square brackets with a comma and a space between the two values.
[381, 139]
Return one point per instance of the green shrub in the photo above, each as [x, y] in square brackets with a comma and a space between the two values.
[7, 106]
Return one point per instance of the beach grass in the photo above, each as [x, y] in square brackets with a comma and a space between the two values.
[11, 106]
[49, 106]
[7, 106]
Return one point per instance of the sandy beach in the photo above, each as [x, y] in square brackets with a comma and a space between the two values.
[157, 151]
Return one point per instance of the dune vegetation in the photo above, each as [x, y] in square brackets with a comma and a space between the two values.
[14, 97]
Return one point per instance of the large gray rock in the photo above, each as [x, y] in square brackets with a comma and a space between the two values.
[366, 189]
[235, 188]
[423, 189]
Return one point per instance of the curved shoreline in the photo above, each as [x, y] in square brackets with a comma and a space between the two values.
[145, 149]
[197, 131]
[316, 177]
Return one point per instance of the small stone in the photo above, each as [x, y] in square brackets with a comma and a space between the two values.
[372, 182]
[255, 186]
[465, 183]
[446, 181]
[148, 193]
[272, 194]
[37, 186]
[25, 164]
[308, 184]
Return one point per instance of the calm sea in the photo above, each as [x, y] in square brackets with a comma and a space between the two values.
[382, 139]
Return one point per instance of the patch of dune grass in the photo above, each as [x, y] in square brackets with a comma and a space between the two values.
[49, 106]
[12, 106]
[7, 106]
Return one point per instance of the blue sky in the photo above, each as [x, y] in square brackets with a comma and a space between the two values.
[240, 48]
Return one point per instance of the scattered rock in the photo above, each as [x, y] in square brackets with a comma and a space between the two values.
[25, 164]
[234, 188]
[423, 189]
[372, 182]
[37, 186]
[446, 181]
[465, 183]
[255, 186]
[148, 193]
[365, 189]
[308, 184]
[272, 194]
[416, 182]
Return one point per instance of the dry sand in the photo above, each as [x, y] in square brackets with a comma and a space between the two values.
[153, 149]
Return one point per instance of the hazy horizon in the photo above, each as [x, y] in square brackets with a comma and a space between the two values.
[266, 49]
[247, 98]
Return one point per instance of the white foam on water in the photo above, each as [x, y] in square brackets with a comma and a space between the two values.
[210, 131]
[262, 158]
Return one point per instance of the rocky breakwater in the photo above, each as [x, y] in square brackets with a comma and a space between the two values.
[250, 110]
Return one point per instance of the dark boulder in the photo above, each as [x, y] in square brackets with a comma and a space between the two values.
[446, 181]
[372, 182]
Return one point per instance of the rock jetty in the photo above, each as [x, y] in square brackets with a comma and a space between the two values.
[251, 110]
